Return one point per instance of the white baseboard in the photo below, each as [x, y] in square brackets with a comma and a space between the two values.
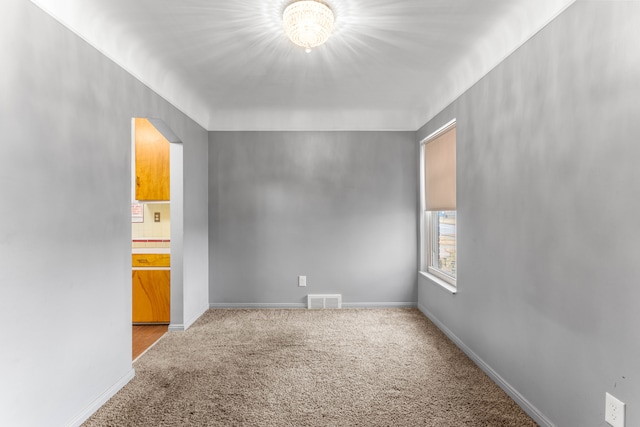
[303, 305]
[181, 327]
[191, 321]
[101, 400]
[379, 305]
[257, 305]
[531, 410]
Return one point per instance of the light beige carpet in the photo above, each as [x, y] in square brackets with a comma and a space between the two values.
[364, 367]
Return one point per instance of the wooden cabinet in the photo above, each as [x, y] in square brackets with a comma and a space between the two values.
[151, 296]
[151, 260]
[151, 288]
[152, 162]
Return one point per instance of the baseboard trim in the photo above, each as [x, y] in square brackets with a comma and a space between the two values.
[531, 410]
[181, 327]
[303, 305]
[379, 305]
[193, 320]
[101, 400]
[257, 305]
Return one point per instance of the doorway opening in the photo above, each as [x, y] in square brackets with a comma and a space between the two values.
[156, 236]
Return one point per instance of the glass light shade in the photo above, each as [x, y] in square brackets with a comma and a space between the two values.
[308, 23]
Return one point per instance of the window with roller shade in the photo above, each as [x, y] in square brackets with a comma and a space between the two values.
[439, 231]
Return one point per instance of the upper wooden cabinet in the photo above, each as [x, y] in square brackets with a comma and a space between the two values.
[152, 162]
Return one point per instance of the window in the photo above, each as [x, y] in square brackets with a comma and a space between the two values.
[442, 243]
[439, 225]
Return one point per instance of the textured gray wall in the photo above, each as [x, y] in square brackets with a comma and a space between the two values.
[65, 282]
[548, 195]
[338, 207]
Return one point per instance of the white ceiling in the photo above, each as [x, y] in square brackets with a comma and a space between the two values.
[389, 65]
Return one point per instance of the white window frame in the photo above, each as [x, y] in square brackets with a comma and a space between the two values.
[446, 281]
[430, 255]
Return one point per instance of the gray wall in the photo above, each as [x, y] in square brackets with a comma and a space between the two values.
[65, 283]
[338, 207]
[548, 196]
[196, 229]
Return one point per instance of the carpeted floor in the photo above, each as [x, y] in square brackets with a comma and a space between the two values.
[378, 367]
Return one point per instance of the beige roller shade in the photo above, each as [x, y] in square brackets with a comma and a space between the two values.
[440, 172]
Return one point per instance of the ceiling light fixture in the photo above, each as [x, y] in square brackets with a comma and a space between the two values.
[308, 23]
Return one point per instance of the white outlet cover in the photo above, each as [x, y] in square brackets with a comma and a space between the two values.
[302, 280]
[614, 411]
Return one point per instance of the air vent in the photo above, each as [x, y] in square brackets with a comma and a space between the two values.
[324, 301]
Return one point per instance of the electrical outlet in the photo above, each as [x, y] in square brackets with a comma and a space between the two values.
[614, 411]
[302, 280]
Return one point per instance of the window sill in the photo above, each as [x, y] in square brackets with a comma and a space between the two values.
[438, 281]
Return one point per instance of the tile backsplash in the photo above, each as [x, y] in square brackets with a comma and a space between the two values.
[151, 234]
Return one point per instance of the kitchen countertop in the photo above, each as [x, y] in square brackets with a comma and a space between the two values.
[150, 250]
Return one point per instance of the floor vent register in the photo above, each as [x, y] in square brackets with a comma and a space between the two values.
[324, 301]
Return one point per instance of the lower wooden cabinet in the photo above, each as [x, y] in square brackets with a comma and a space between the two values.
[151, 296]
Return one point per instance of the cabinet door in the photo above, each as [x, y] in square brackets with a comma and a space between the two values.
[151, 296]
[152, 162]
